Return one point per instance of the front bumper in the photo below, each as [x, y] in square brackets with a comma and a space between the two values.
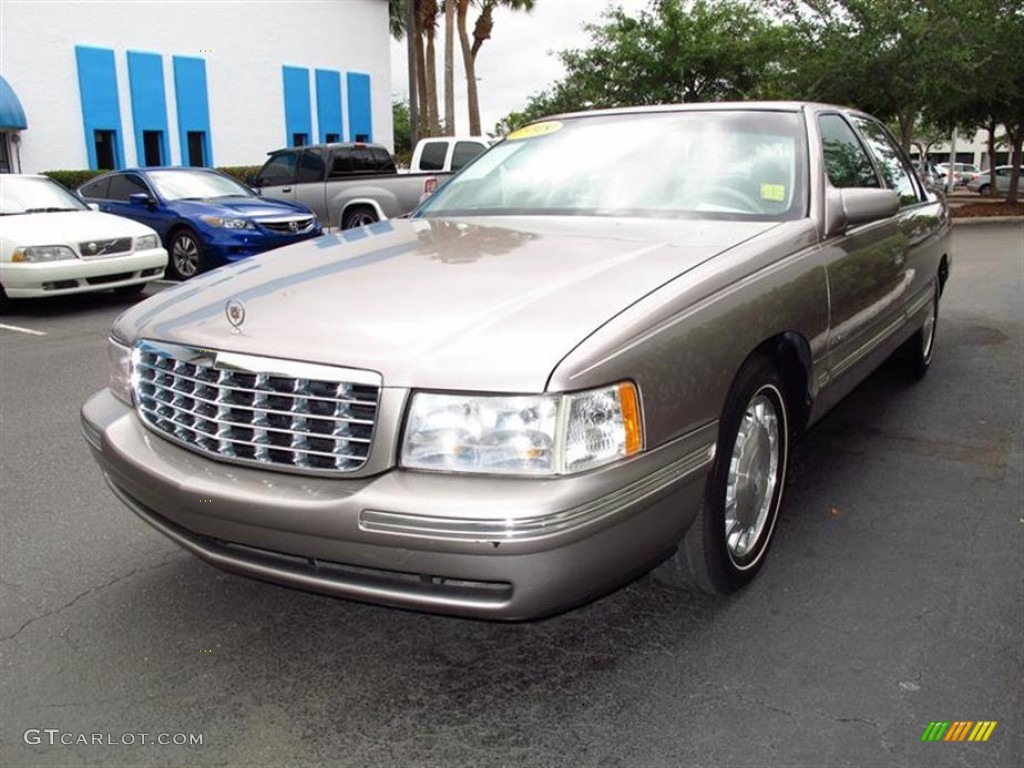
[57, 278]
[383, 540]
[223, 246]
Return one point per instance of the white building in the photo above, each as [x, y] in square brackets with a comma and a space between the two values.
[121, 83]
[971, 149]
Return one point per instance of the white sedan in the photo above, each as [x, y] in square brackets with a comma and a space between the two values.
[51, 243]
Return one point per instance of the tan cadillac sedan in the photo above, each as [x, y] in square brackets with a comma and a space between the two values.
[584, 357]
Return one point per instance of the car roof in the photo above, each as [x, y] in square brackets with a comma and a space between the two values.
[711, 106]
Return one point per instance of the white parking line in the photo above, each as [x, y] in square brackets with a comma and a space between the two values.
[29, 331]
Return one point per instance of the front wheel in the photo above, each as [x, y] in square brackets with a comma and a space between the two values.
[726, 546]
[185, 259]
[983, 190]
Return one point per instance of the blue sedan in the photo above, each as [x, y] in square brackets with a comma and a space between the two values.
[204, 217]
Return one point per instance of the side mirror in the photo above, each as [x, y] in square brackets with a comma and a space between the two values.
[93, 206]
[256, 190]
[858, 205]
[141, 198]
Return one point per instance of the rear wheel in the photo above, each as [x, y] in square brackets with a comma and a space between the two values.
[185, 259]
[920, 348]
[726, 546]
[983, 190]
[360, 216]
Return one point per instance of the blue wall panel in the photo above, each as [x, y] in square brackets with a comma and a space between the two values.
[193, 104]
[360, 119]
[149, 101]
[101, 109]
[328, 103]
[297, 117]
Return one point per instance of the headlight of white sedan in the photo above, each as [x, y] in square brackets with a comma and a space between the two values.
[37, 253]
[119, 370]
[147, 243]
[522, 434]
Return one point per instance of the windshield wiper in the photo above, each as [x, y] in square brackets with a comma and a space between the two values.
[49, 210]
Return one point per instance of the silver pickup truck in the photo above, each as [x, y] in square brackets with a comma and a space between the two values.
[566, 368]
[346, 184]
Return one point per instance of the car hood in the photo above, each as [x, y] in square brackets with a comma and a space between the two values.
[70, 227]
[485, 304]
[251, 207]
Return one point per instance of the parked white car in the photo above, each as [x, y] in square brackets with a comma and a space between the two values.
[52, 243]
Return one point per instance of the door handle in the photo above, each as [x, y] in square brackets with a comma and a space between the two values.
[286, 189]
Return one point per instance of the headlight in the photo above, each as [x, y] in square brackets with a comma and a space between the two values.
[522, 435]
[43, 253]
[119, 370]
[221, 221]
[147, 243]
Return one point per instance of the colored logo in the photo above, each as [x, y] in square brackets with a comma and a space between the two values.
[235, 312]
[959, 730]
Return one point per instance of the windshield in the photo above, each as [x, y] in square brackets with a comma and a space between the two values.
[703, 164]
[31, 194]
[196, 185]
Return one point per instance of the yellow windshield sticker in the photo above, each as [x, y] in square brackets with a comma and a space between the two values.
[775, 192]
[537, 129]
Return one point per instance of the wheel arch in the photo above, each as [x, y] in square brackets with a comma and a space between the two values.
[361, 202]
[790, 353]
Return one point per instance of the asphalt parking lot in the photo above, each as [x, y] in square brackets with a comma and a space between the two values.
[892, 598]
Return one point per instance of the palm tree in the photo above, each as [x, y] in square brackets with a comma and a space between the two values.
[449, 67]
[428, 12]
[481, 32]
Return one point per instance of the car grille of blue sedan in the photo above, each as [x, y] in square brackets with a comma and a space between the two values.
[250, 410]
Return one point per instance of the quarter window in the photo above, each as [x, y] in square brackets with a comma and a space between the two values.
[96, 189]
[846, 162]
[895, 168]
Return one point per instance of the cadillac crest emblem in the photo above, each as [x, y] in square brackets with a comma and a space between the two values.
[235, 312]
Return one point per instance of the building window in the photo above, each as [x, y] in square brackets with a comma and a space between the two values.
[5, 154]
[106, 149]
[152, 143]
[300, 139]
[197, 148]
[362, 138]
[332, 138]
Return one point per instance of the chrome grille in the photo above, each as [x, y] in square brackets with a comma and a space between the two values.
[275, 413]
[91, 248]
[288, 226]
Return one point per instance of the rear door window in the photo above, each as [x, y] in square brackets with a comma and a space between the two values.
[382, 161]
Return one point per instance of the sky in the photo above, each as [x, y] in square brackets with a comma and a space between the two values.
[518, 60]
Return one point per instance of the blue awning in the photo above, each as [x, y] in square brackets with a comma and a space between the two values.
[12, 116]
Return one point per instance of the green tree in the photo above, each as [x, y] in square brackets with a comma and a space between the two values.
[402, 127]
[671, 52]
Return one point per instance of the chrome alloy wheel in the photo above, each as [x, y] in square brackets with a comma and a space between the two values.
[753, 478]
[185, 254]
